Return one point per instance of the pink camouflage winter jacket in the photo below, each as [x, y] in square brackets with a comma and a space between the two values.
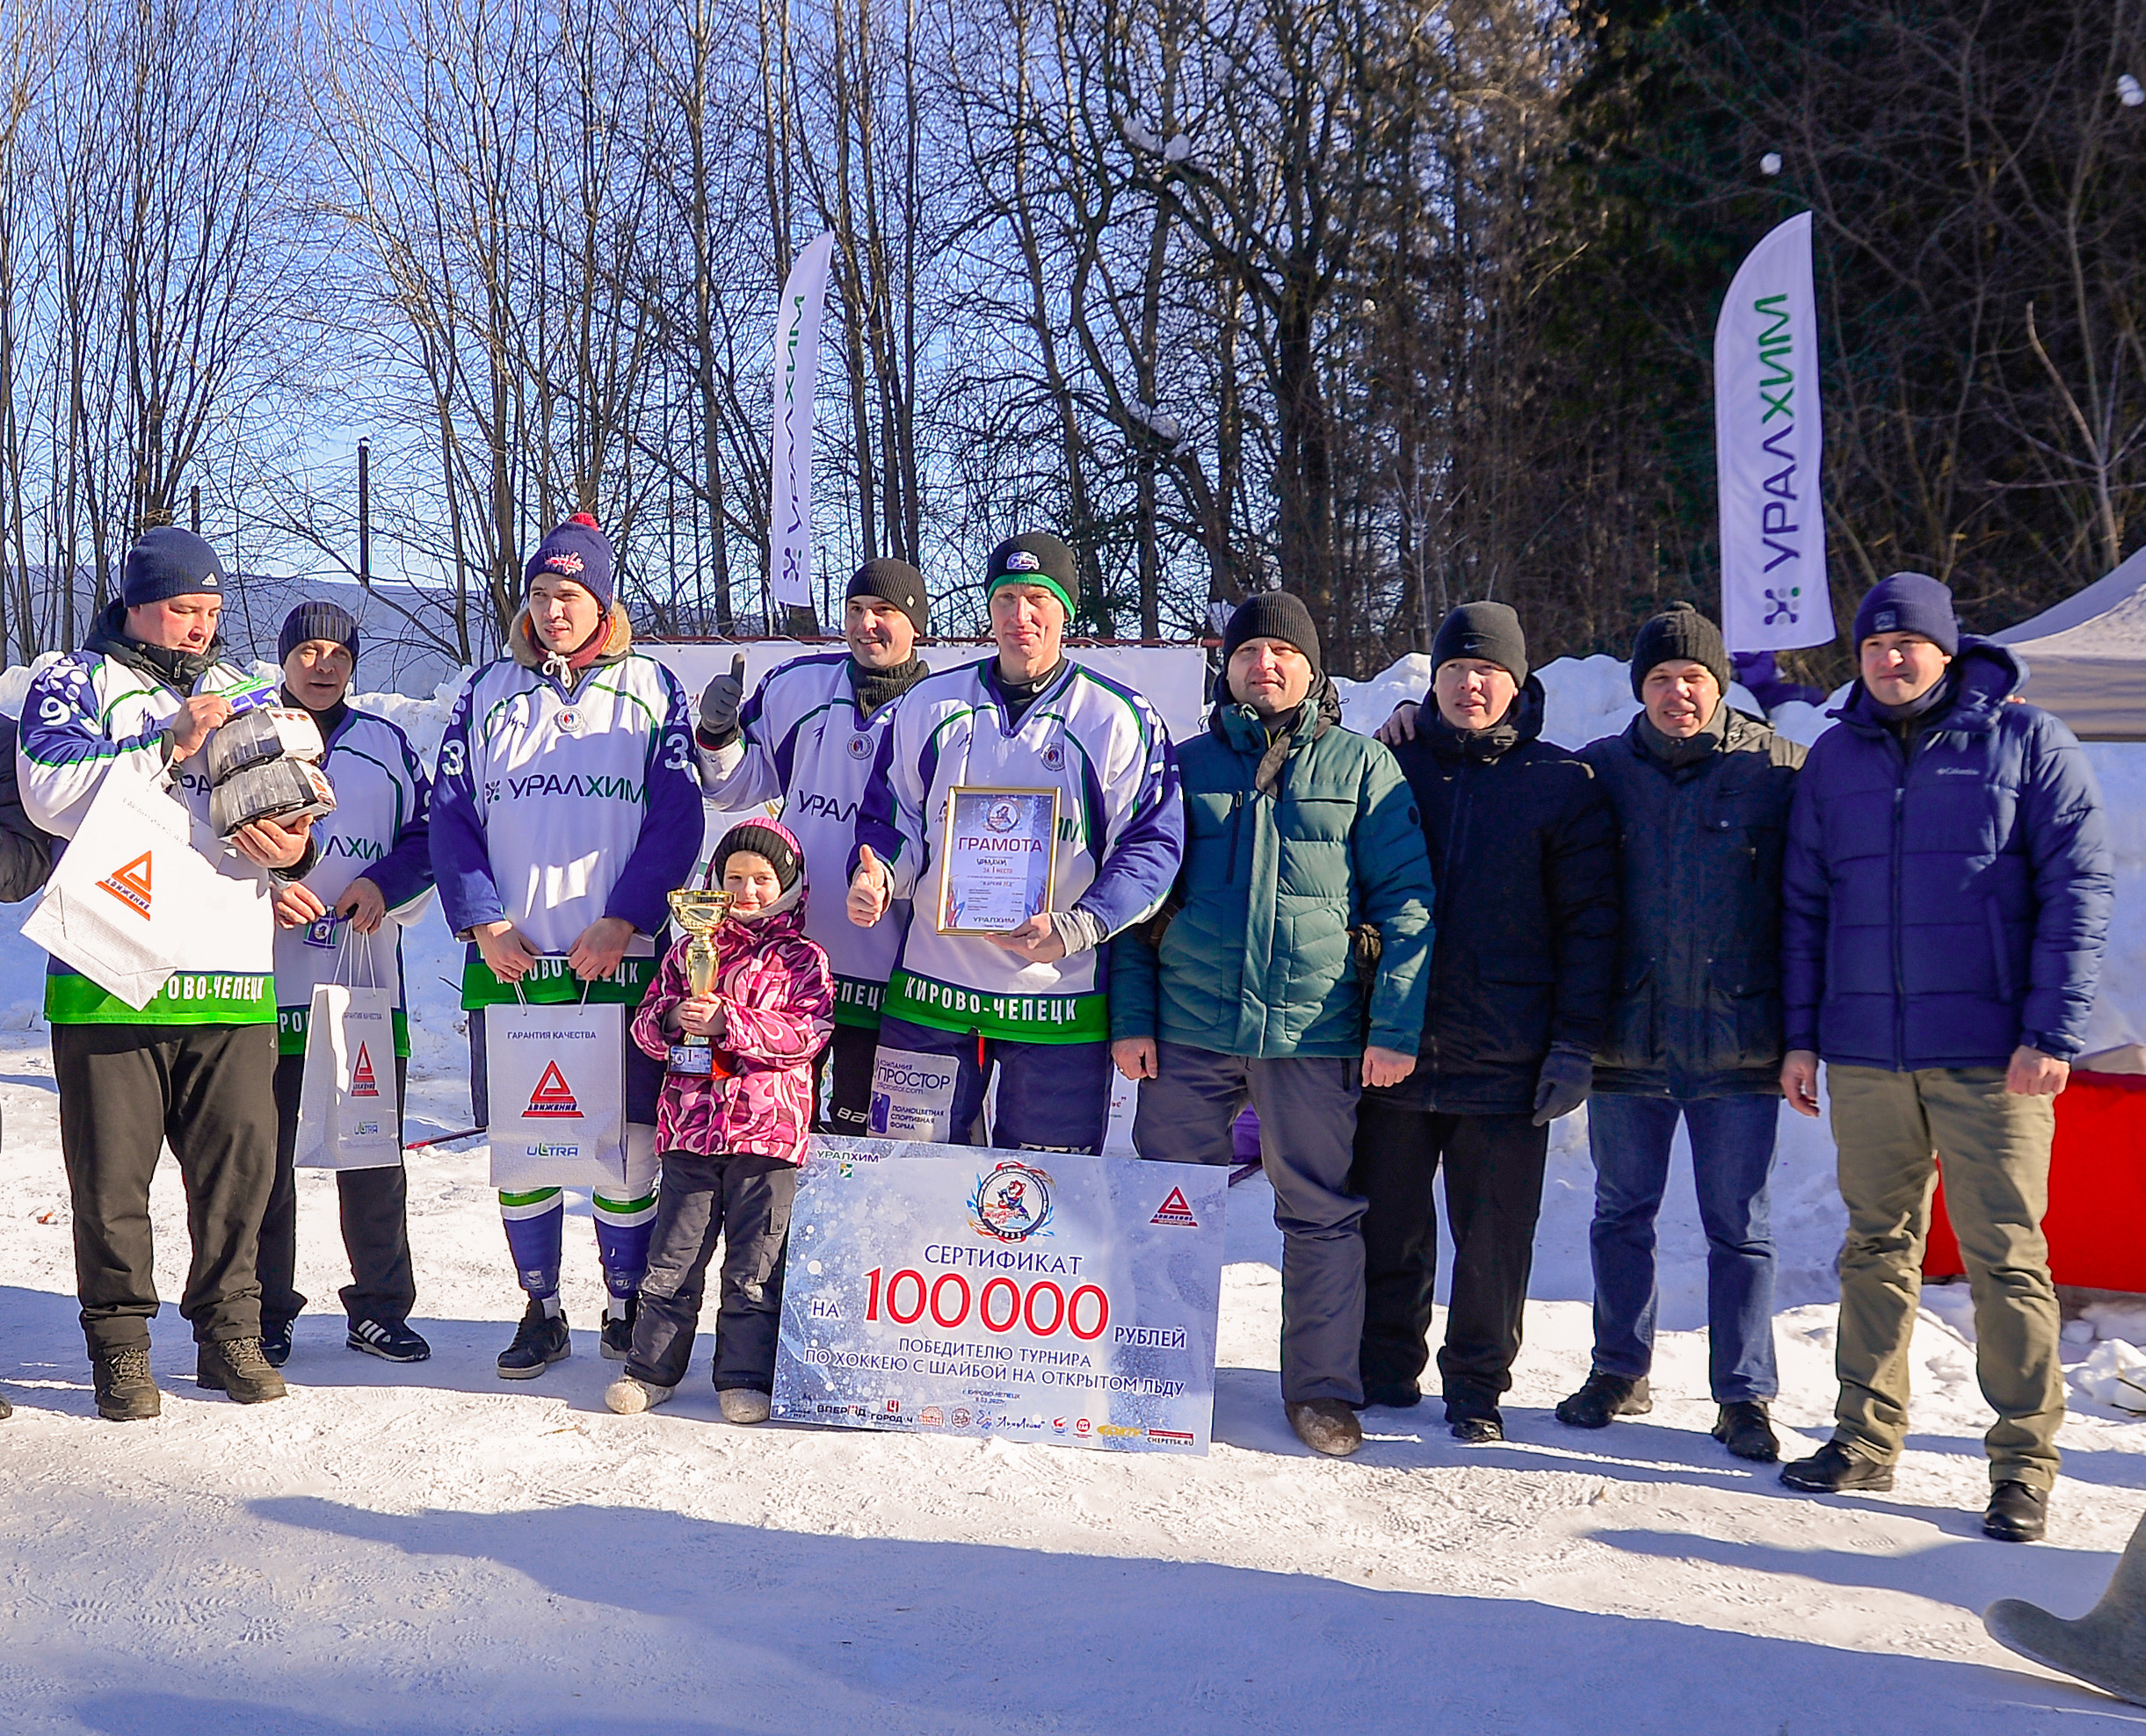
[778, 1000]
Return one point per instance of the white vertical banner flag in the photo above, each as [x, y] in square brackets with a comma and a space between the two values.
[1768, 443]
[797, 365]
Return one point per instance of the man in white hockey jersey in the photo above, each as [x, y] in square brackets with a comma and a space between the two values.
[1032, 1002]
[194, 1066]
[809, 736]
[566, 809]
[344, 922]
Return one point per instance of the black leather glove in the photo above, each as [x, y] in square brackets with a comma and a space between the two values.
[1562, 1084]
[719, 706]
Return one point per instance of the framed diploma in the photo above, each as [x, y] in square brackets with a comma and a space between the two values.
[997, 865]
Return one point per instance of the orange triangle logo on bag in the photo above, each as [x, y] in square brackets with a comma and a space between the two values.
[1175, 1210]
[362, 1082]
[130, 885]
[554, 1097]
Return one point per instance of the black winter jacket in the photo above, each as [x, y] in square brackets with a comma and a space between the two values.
[1524, 858]
[1697, 1011]
[25, 852]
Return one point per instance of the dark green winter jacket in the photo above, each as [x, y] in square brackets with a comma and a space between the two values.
[1698, 1006]
[1256, 959]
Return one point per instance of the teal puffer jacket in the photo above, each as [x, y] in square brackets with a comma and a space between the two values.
[1257, 961]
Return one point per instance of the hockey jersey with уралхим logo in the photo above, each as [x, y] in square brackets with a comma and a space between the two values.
[81, 715]
[803, 741]
[377, 832]
[554, 805]
[1120, 835]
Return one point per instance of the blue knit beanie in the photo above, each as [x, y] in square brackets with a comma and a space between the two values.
[170, 563]
[331, 621]
[576, 550]
[1909, 602]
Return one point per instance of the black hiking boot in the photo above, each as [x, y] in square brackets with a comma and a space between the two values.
[539, 1340]
[1602, 1396]
[391, 1340]
[6, 1410]
[618, 1339]
[2018, 1512]
[126, 1391]
[1834, 1470]
[236, 1366]
[1747, 1431]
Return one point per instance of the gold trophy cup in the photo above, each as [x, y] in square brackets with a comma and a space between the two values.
[699, 911]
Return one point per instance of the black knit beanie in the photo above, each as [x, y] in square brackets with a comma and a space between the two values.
[894, 582]
[761, 840]
[1272, 614]
[1678, 633]
[1034, 558]
[1489, 631]
[309, 621]
[168, 562]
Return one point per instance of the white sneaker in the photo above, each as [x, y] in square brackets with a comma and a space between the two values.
[742, 1404]
[630, 1397]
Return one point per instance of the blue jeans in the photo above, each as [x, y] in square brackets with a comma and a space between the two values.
[1732, 1160]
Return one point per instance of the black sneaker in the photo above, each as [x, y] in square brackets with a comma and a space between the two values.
[276, 1342]
[1391, 1395]
[2018, 1512]
[1747, 1431]
[539, 1340]
[392, 1342]
[618, 1339]
[1833, 1469]
[1602, 1396]
[126, 1391]
[236, 1366]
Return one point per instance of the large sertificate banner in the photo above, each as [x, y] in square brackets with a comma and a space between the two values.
[797, 365]
[1024, 1296]
[1768, 443]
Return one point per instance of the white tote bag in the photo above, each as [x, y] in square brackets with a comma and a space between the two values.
[138, 886]
[349, 1116]
[557, 1082]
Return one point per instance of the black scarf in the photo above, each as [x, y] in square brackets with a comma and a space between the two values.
[1319, 711]
[1678, 751]
[1910, 720]
[179, 669]
[1482, 745]
[874, 688]
[329, 720]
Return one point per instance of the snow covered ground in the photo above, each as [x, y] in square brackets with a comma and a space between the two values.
[432, 1549]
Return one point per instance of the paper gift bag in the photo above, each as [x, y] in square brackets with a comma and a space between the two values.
[349, 1115]
[557, 1079]
[138, 886]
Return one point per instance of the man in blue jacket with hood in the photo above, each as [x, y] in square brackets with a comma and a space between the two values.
[1945, 898]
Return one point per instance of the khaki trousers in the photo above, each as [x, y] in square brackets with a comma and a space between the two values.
[1996, 1150]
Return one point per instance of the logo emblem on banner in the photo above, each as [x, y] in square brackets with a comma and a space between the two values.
[1012, 1202]
[363, 1084]
[1175, 1210]
[130, 885]
[554, 1097]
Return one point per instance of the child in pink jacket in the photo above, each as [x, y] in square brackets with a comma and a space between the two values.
[732, 1134]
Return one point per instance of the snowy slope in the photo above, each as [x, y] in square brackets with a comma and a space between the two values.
[432, 1549]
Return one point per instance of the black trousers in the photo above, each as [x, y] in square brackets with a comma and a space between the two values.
[375, 1221]
[849, 1104]
[745, 1199]
[1493, 1195]
[125, 1089]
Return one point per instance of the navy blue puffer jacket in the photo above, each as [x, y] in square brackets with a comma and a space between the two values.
[1944, 905]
